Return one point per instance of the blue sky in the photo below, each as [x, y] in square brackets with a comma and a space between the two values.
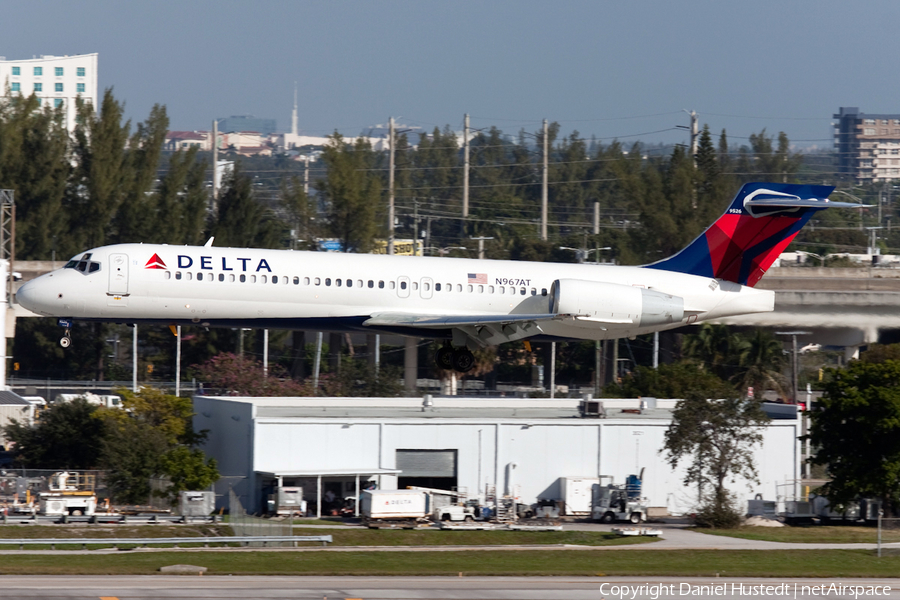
[608, 69]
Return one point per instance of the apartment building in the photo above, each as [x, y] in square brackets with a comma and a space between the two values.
[55, 80]
[868, 146]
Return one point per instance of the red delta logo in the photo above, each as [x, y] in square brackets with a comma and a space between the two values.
[155, 262]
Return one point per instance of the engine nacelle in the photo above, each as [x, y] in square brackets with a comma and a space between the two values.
[614, 303]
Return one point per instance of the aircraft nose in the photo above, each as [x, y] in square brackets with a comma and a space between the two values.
[30, 296]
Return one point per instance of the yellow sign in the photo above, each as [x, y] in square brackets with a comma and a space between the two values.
[401, 247]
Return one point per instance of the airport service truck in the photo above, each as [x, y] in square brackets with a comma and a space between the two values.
[394, 508]
[621, 502]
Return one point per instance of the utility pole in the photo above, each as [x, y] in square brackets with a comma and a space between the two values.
[481, 245]
[390, 248]
[465, 198]
[544, 187]
[695, 136]
[215, 161]
[794, 371]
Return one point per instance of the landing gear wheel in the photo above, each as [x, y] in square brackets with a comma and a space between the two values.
[65, 341]
[463, 360]
[443, 358]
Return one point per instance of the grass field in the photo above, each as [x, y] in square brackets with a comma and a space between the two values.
[702, 563]
[810, 535]
[341, 537]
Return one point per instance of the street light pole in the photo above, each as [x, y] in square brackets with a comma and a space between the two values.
[794, 373]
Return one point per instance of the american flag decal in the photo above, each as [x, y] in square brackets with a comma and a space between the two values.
[477, 277]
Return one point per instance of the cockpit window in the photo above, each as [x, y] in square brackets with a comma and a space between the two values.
[84, 265]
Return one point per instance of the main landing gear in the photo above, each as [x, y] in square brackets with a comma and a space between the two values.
[449, 358]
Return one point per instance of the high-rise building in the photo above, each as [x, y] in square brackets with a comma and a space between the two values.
[868, 146]
[247, 123]
[55, 80]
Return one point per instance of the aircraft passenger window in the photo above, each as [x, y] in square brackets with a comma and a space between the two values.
[337, 282]
[480, 289]
[522, 291]
[359, 283]
[380, 285]
[263, 278]
[253, 279]
[177, 274]
[371, 284]
[415, 285]
[318, 281]
[470, 289]
[94, 267]
[449, 287]
[402, 285]
[188, 276]
[349, 283]
[243, 278]
[543, 291]
[221, 276]
[231, 277]
[274, 278]
[501, 289]
[297, 281]
[512, 291]
[328, 281]
[306, 281]
[284, 280]
[199, 276]
[426, 287]
[392, 285]
[490, 289]
[437, 287]
[168, 274]
[458, 287]
[533, 292]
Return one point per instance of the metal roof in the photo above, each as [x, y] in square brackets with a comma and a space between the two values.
[13, 398]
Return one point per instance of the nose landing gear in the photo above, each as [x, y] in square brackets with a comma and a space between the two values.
[456, 359]
[65, 341]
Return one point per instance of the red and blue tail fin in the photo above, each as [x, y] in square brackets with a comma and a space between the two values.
[758, 225]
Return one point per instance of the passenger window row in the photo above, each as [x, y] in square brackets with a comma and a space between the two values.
[351, 283]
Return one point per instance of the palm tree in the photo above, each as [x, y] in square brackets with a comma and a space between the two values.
[717, 348]
[761, 362]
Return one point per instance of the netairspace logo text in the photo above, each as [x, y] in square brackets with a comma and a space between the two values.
[737, 590]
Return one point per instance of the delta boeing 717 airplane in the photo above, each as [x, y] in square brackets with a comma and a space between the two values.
[466, 302]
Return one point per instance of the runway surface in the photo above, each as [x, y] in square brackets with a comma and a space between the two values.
[436, 588]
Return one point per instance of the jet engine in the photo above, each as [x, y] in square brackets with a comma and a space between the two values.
[614, 303]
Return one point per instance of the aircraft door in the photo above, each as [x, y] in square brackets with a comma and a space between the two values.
[403, 287]
[427, 288]
[118, 274]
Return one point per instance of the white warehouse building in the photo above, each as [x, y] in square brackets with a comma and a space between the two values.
[55, 80]
[517, 447]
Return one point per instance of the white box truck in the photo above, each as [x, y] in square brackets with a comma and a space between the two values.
[577, 494]
[381, 508]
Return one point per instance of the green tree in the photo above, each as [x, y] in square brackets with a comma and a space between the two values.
[67, 435]
[677, 380]
[857, 433]
[352, 191]
[715, 431]
[152, 436]
[241, 221]
[33, 163]
[180, 201]
[246, 376]
[102, 177]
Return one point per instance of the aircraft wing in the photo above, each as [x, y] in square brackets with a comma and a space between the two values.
[445, 321]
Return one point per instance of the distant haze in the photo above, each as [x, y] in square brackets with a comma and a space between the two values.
[606, 69]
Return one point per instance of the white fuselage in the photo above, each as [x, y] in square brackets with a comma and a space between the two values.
[331, 291]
